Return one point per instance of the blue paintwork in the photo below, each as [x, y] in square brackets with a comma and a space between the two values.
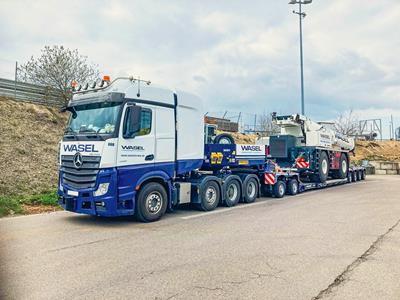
[123, 183]
[230, 159]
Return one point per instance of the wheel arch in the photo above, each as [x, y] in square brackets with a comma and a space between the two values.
[157, 177]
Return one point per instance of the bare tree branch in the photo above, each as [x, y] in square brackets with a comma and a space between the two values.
[58, 67]
[347, 123]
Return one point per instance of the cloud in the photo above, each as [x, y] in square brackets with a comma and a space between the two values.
[237, 57]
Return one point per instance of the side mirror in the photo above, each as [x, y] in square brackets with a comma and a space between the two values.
[132, 121]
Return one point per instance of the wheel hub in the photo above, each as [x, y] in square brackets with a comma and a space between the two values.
[251, 189]
[154, 202]
[232, 192]
[211, 195]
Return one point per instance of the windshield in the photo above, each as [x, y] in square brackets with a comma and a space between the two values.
[99, 118]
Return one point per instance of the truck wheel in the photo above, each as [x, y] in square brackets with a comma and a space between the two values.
[354, 176]
[224, 138]
[293, 187]
[363, 175]
[349, 177]
[343, 168]
[323, 167]
[279, 189]
[151, 202]
[250, 190]
[232, 192]
[210, 196]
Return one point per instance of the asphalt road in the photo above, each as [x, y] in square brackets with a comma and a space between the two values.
[338, 243]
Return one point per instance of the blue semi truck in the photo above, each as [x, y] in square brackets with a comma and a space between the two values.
[132, 148]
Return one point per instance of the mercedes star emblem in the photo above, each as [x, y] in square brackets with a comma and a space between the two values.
[78, 161]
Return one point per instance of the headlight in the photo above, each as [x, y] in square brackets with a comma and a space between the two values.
[102, 189]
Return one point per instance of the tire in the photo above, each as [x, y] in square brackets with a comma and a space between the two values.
[209, 196]
[343, 168]
[323, 167]
[279, 189]
[232, 192]
[349, 177]
[293, 187]
[151, 202]
[363, 175]
[250, 188]
[354, 176]
[224, 138]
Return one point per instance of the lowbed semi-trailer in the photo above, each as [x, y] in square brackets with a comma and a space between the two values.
[132, 148]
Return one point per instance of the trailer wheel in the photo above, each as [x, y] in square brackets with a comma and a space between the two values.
[343, 168]
[210, 195]
[293, 187]
[224, 138]
[354, 176]
[151, 202]
[232, 192]
[349, 177]
[279, 189]
[250, 190]
[363, 175]
[323, 167]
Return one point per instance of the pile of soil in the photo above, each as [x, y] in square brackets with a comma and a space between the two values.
[241, 138]
[29, 137]
[377, 150]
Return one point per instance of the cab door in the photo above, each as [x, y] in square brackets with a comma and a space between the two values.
[136, 142]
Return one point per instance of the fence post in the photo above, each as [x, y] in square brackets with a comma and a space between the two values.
[15, 81]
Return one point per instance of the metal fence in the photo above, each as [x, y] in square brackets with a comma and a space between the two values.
[27, 92]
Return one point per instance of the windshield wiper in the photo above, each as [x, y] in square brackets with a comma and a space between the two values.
[70, 133]
[69, 130]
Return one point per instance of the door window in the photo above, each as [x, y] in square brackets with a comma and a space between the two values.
[145, 123]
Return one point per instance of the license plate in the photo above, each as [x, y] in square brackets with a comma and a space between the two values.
[72, 193]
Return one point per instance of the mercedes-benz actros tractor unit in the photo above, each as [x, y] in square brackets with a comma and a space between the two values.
[134, 148]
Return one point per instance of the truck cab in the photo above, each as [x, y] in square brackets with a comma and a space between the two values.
[122, 135]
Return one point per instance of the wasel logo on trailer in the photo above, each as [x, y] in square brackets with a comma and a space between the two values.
[78, 160]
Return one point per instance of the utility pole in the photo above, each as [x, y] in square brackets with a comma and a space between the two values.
[302, 15]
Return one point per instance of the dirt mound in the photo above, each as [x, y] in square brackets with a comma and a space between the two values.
[378, 150]
[241, 138]
[29, 136]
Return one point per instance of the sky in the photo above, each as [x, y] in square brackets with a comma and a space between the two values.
[238, 56]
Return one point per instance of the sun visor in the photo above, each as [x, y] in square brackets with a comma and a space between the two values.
[97, 98]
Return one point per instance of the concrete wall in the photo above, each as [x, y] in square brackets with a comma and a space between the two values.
[385, 167]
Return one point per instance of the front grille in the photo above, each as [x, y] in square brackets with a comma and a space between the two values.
[85, 176]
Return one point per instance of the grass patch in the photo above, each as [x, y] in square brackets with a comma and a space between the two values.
[10, 205]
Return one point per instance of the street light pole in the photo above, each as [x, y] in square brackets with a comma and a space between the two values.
[301, 59]
[302, 15]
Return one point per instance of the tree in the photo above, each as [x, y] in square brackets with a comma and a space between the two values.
[58, 67]
[265, 124]
[347, 123]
